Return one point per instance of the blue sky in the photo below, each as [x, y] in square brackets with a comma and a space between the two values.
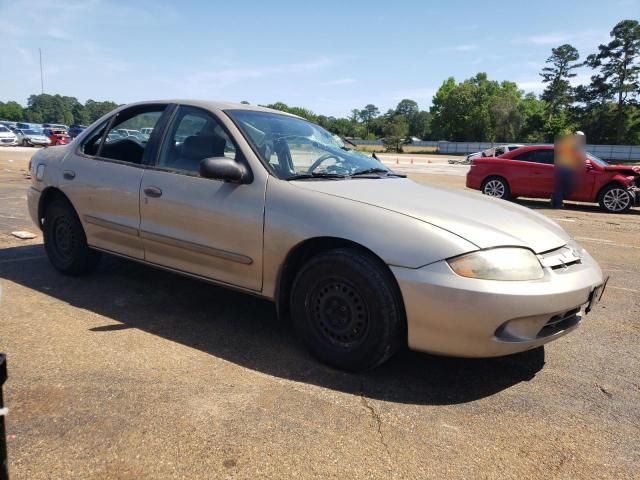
[330, 56]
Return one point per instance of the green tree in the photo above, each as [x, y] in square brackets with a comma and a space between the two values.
[619, 66]
[93, 110]
[395, 133]
[407, 108]
[438, 129]
[558, 93]
[533, 113]
[367, 114]
[11, 111]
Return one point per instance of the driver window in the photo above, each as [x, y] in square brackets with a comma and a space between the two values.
[193, 136]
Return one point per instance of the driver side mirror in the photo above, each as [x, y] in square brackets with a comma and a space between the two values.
[223, 168]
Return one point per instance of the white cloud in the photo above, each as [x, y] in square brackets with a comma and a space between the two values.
[223, 78]
[465, 47]
[341, 81]
[589, 38]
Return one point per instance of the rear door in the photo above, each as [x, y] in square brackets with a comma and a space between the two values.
[102, 179]
[202, 226]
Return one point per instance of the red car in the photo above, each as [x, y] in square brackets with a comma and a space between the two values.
[57, 137]
[528, 172]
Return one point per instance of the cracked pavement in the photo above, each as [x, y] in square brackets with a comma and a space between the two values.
[135, 373]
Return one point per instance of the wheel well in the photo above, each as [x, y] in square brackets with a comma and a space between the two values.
[604, 187]
[490, 177]
[308, 249]
[46, 197]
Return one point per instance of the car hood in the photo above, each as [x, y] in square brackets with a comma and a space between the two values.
[481, 220]
[626, 170]
[6, 135]
[36, 137]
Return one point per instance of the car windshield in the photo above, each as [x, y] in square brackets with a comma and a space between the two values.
[295, 148]
[4, 129]
[597, 160]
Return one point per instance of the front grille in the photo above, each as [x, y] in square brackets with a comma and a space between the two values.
[7, 140]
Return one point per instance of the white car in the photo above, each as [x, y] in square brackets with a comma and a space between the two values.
[32, 137]
[7, 137]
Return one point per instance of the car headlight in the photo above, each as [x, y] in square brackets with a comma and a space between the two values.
[505, 263]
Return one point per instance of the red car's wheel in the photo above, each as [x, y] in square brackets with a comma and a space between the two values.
[496, 187]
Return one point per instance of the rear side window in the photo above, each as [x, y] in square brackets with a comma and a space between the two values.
[91, 143]
[124, 141]
[536, 156]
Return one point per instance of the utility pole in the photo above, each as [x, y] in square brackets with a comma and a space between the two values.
[41, 76]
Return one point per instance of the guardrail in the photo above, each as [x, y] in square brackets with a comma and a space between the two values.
[620, 153]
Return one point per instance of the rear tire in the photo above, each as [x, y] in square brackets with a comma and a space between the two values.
[347, 310]
[615, 199]
[496, 187]
[65, 241]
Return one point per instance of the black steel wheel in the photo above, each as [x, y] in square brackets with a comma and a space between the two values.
[347, 309]
[65, 241]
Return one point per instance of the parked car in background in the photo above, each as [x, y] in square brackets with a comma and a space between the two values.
[32, 137]
[529, 172]
[57, 126]
[146, 131]
[57, 136]
[25, 126]
[7, 137]
[75, 130]
[362, 259]
[10, 125]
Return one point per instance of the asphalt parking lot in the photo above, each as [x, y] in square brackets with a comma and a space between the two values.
[135, 373]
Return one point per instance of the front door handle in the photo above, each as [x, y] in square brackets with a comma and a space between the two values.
[69, 174]
[154, 192]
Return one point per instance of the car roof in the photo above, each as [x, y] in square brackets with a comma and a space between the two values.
[211, 105]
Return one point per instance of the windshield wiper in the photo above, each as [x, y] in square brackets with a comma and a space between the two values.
[304, 176]
[368, 171]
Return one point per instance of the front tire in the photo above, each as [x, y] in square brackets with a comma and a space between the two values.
[615, 199]
[496, 187]
[347, 310]
[65, 241]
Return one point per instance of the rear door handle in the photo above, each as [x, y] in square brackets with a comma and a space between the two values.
[154, 192]
[69, 174]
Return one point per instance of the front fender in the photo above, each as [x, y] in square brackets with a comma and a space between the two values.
[293, 215]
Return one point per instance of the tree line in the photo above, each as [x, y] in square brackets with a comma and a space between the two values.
[607, 108]
[45, 108]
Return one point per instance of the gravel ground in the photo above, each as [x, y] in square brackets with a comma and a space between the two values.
[134, 373]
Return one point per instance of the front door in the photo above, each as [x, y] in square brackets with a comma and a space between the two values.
[205, 227]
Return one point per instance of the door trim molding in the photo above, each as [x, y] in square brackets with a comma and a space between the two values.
[196, 247]
[100, 222]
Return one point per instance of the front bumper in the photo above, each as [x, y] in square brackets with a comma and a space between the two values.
[451, 315]
[635, 195]
[8, 142]
[33, 202]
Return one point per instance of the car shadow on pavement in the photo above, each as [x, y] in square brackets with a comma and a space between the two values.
[246, 331]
